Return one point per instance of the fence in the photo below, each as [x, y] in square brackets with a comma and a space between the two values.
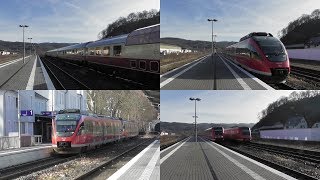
[308, 134]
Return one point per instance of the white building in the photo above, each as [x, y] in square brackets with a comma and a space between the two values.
[168, 48]
[42, 103]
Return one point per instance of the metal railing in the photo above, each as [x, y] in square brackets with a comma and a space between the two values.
[36, 139]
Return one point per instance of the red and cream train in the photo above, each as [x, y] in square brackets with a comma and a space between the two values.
[75, 132]
[135, 56]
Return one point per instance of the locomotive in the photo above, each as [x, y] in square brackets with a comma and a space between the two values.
[214, 133]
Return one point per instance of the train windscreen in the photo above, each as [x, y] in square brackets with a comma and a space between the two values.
[66, 124]
[245, 131]
[272, 48]
[218, 130]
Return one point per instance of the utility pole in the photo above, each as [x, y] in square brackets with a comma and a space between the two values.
[19, 120]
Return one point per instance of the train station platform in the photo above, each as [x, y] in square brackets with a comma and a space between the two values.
[208, 160]
[11, 157]
[211, 73]
[143, 166]
[18, 76]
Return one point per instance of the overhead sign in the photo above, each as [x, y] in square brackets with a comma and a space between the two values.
[48, 113]
[26, 113]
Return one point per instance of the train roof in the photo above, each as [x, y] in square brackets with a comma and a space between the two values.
[145, 35]
[76, 46]
[256, 34]
[112, 40]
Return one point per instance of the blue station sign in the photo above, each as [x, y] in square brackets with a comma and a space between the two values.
[26, 113]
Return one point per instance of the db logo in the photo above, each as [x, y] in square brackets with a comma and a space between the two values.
[63, 139]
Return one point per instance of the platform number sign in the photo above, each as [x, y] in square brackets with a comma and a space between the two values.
[26, 113]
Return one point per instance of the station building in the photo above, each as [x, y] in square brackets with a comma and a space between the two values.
[44, 105]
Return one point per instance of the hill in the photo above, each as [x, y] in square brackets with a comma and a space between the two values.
[303, 104]
[41, 47]
[302, 29]
[194, 45]
[188, 129]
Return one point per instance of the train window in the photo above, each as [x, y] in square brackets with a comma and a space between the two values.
[106, 51]
[142, 65]
[253, 52]
[154, 66]
[91, 52]
[117, 50]
[98, 51]
[133, 64]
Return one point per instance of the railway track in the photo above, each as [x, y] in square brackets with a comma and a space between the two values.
[104, 166]
[27, 168]
[164, 146]
[62, 79]
[282, 86]
[292, 172]
[1, 85]
[306, 73]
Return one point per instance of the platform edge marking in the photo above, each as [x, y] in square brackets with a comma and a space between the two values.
[146, 174]
[32, 76]
[124, 168]
[47, 79]
[170, 153]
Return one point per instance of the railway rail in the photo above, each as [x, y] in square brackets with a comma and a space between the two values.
[306, 73]
[95, 172]
[282, 86]
[292, 172]
[25, 168]
[62, 79]
[164, 146]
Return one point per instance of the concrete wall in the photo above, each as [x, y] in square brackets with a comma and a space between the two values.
[310, 134]
[310, 54]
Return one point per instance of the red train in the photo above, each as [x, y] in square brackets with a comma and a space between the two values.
[135, 56]
[75, 132]
[214, 133]
[238, 134]
[263, 55]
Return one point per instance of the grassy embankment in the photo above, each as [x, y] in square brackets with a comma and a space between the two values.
[172, 61]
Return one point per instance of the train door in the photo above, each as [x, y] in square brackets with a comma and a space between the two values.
[49, 131]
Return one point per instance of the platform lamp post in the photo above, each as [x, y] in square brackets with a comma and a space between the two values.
[212, 20]
[30, 45]
[24, 46]
[19, 120]
[195, 114]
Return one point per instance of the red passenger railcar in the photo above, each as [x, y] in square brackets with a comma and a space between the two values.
[214, 133]
[263, 55]
[237, 133]
[74, 132]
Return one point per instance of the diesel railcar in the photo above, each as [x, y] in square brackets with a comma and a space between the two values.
[263, 55]
[214, 133]
[237, 134]
[75, 132]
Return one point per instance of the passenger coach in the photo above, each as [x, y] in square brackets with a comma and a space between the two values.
[134, 56]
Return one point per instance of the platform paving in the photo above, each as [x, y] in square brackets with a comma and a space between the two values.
[207, 160]
[210, 73]
[144, 166]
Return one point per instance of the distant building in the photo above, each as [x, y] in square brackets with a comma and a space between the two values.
[4, 52]
[168, 48]
[44, 104]
[163, 133]
[296, 122]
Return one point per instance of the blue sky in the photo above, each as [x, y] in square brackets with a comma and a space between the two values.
[188, 18]
[216, 106]
[64, 20]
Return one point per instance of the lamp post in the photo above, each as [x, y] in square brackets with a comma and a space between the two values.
[30, 45]
[24, 46]
[195, 114]
[212, 20]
